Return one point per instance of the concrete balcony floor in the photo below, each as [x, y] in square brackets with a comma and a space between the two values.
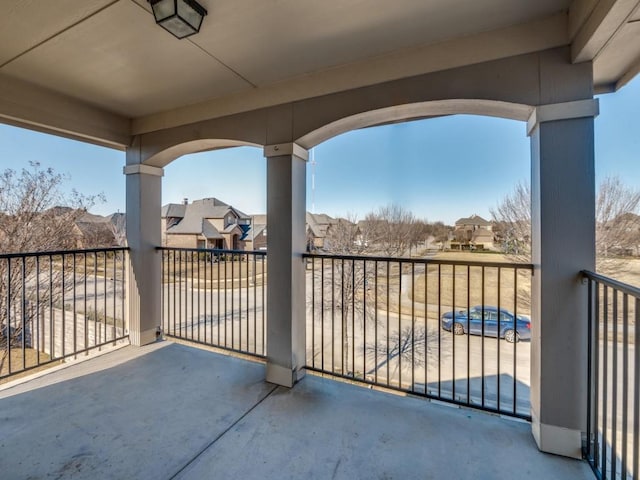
[174, 411]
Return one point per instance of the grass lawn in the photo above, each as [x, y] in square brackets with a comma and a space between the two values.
[216, 274]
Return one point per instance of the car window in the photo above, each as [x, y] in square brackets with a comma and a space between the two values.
[505, 317]
[475, 315]
[491, 316]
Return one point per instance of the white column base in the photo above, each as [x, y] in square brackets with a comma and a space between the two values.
[143, 338]
[283, 376]
[557, 440]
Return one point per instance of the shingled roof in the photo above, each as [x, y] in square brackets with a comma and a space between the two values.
[196, 214]
[473, 220]
[319, 223]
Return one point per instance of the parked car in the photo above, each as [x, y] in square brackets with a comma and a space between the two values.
[472, 322]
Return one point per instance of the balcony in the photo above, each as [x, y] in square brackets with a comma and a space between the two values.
[371, 323]
[170, 410]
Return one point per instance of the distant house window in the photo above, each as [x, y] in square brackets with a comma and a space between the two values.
[229, 220]
[201, 244]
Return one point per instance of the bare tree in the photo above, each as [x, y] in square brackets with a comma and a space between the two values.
[33, 220]
[351, 282]
[617, 222]
[513, 219]
[393, 230]
[119, 228]
[347, 278]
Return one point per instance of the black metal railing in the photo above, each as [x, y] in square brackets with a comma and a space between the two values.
[398, 323]
[613, 403]
[215, 297]
[54, 305]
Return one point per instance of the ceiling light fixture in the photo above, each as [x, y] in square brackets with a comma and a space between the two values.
[181, 18]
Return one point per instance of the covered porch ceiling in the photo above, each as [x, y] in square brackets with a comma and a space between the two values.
[102, 71]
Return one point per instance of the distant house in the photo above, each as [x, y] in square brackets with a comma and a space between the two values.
[94, 231]
[205, 223]
[257, 235]
[318, 225]
[473, 232]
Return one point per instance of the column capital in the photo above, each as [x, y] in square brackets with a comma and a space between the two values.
[292, 148]
[142, 168]
[562, 111]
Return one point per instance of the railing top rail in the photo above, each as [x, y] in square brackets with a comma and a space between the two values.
[610, 282]
[213, 250]
[433, 261]
[55, 253]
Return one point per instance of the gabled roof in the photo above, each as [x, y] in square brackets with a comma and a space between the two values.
[173, 210]
[208, 208]
[256, 230]
[319, 223]
[194, 214]
[87, 217]
[473, 220]
[209, 231]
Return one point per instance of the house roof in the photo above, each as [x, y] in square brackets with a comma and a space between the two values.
[87, 217]
[194, 215]
[319, 223]
[209, 231]
[257, 230]
[473, 220]
[95, 228]
[173, 210]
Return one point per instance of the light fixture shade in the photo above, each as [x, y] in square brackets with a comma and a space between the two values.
[181, 18]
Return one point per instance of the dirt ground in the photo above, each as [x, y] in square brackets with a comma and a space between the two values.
[625, 270]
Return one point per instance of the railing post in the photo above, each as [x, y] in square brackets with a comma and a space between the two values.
[286, 309]
[144, 190]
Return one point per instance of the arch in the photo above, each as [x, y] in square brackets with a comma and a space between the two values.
[411, 111]
[168, 155]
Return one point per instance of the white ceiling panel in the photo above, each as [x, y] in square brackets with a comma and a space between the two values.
[120, 60]
[26, 23]
[268, 41]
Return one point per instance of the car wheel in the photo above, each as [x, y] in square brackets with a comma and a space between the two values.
[511, 336]
[458, 329]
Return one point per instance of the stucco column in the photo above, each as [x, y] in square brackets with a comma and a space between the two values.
[563, 230]
[144, 192]
[286, 314]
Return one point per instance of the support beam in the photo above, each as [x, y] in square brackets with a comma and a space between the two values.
[286, 313]
[144, 192]
[563, 231]
[603, 23]
[30, 106]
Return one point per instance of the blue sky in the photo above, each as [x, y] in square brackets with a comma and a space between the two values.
[441, 169]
